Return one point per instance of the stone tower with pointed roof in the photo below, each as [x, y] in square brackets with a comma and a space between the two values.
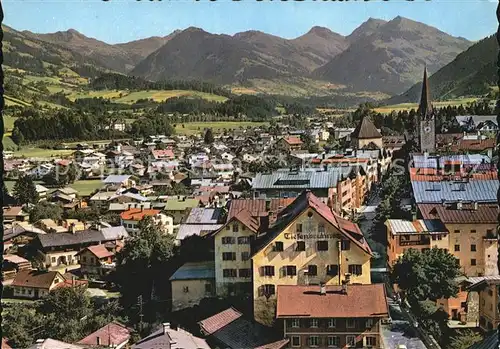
[366, 133]
[426, 126]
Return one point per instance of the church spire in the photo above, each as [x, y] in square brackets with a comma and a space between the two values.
[425, 106]
[427, 128]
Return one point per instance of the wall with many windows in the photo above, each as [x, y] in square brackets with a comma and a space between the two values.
[333, 332]
[233, 273]
[310, 250]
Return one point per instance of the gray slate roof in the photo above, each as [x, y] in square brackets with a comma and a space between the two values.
[303, 179]
[113, 233]
[186, 230]
[421, 226]
[436, 192]
[243, 333]
[204, 215]
[173, 339]
[421, 161]
[82, 237]
[114, 179]
[137, 197]
[195, 270]
[477, 119]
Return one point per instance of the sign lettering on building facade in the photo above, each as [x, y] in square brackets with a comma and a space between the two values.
[310, 236]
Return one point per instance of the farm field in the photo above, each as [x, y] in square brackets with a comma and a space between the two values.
[11, 101]
[126, 97]
[8, 123]
[86, 187]
[34, 152]
[163, 95]
[217, 127]
[8, 143]
[409, 106]
[9, 184]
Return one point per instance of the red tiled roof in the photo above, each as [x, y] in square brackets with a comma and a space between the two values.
[35, 279]
[485, 214]
[293, 140]
[13, 211]
[337, 221]
[72, 283]
[137, 214]
[470, 144]
[64, 162]
[257, 207]
[216, 188]
[245, 217]
[431, 174]
[438, 178]
[359, 301]
[112, 334]
[303, 202]
[218, 321]
[100, 251]
[166, 153]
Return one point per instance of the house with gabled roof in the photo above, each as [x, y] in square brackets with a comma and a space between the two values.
[366, 135]
[230, 329]
[97, 260]
[113, 335]
[60, 249]
[50, 343]
[14, 213]
[191, 283]
[36, 284]
[289, 143]
[131, 218]
[308, 243]
[126, 181]
[172, 338]
[335, 316]
[233, 266]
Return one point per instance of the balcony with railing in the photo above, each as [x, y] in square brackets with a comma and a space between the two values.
[108, 265]
[416, 240]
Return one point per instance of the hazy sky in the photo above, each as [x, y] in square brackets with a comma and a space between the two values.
[125, 20]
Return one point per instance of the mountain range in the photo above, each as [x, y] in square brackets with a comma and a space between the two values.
[377, 57]
[471, 73]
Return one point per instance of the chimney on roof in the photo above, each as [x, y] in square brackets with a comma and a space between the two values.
[72, 228]
[344, 287]
[166, 327]
[322, 289]
[459, 205]
[475, 205]
[98, 340]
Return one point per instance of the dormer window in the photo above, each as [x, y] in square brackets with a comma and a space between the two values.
[278, 246]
